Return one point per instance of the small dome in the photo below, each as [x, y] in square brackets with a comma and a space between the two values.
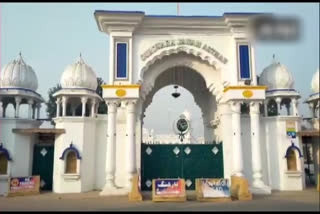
[17, 74]
[79, 75]
[276, 76]
[315, 82]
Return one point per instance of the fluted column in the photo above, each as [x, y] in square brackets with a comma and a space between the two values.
[84, 102]
[111, 143]
[255, 144]
[30, 103]
[236, 139]
[131, 139]
[294, 104]
[64, 106]
[278, 101]
[256, 160]
[58, 102]
[18, 101]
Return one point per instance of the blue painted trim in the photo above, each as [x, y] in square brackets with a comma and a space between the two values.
[87, 89]
[122, 60]
[5, 151]
[70, 148]
[116, 11]
[175, 16]
[268, 91]
[21, 89]
[293, 147]
[314, 94]
[244, 61]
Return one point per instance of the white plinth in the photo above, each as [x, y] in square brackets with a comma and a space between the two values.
[263, 190]
[114, 191]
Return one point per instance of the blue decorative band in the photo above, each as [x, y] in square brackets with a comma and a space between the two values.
[5, 151]
[21, 89]
[86, 89]
[273, 90]
[70, 148]
[293, 147]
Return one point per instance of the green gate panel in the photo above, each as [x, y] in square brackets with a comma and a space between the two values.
[190, 162]
[43, 164]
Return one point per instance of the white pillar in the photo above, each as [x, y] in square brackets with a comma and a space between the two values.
[30, 102]
[311, 107]
[58, 101]
[278, 101]
[64, 106]
[236, 139]
[294, 104]
[257, 184]
[38, 110]
[18, 101]
[131, 140]
[84, 101]
[93, 105]
[111, 146]
[1, 108]
[265, 103]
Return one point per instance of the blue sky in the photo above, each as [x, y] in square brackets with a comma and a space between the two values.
[51, 36]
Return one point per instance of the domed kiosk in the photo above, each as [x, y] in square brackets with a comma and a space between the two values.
[18, 85]
[280, 91]
[79, 84]
[314, 99]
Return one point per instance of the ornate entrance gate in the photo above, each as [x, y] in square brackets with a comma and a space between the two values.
[188, 161]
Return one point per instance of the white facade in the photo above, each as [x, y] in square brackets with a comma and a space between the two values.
[146, 53]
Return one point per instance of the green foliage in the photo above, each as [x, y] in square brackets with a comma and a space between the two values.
[51, 104]
[103, 109]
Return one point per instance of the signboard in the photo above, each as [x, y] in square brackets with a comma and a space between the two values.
[216, 189]
[168, 190]
[291, 129]
[24, 185]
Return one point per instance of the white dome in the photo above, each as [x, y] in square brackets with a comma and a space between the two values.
[17, 74]
[315, 82]
[276, 76]
[79, 75]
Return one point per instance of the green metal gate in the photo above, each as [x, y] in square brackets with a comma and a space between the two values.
[187, 161]
[43, 164]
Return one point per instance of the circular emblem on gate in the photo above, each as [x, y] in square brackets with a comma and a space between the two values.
[182, 125]
[121, 92]
[247, 93]
[15, 182]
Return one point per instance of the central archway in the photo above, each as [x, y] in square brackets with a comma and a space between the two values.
[203, 81]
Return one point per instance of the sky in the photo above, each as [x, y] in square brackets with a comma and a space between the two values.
[52, 35]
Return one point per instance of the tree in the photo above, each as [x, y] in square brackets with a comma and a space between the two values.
[52, 106]
[103, 109]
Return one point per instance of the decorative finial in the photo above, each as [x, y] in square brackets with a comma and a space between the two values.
[274, 58]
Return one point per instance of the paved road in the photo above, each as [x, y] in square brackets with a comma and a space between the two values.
[307, 200]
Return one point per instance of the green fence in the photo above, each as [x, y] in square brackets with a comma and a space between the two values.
[188, 161]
